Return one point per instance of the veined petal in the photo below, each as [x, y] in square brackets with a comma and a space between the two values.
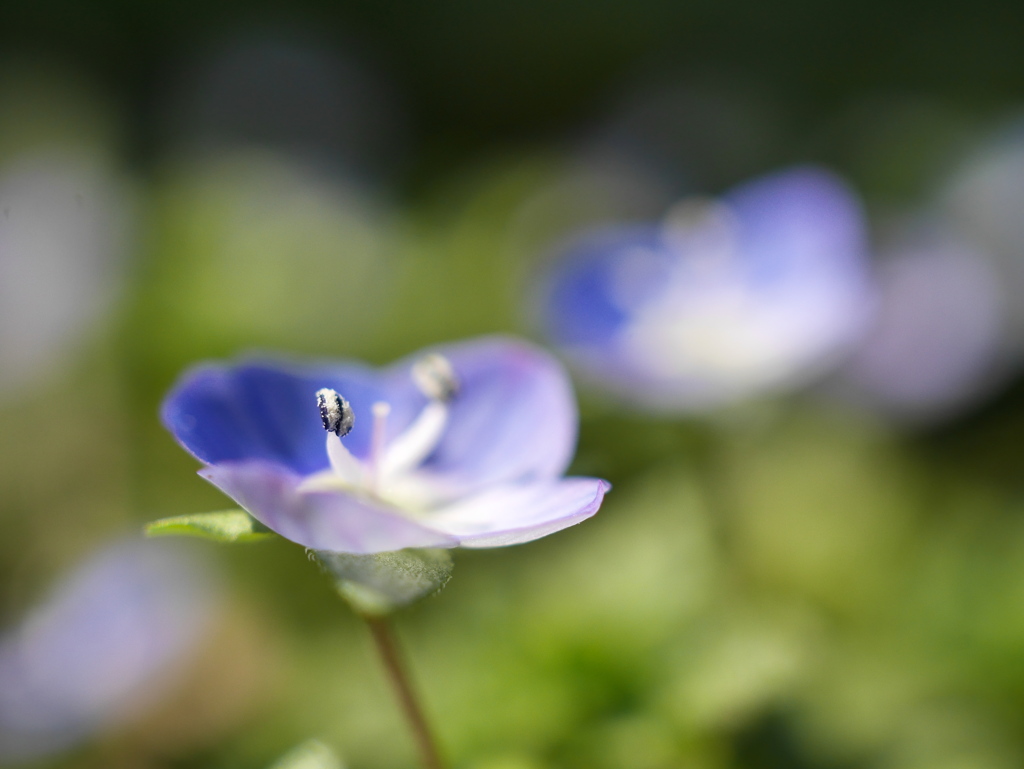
[514, 513]
[322, 520]
[514, 418]
[267, 410]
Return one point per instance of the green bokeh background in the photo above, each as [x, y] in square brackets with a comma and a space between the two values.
[789, 585]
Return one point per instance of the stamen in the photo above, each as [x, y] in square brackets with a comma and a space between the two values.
[344, 465]
[702, 229]
[435, 377]
[335, 412]
[412, 447]
[338, 418]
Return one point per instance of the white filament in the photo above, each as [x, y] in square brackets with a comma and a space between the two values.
[408, 450]
[342, 462]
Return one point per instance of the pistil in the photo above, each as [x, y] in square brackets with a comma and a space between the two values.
[380, 411]
[388, 466]
[435, 378]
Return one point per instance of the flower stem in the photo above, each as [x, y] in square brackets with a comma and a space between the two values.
[400, 682]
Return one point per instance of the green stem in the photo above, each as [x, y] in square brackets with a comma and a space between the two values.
[402, 685]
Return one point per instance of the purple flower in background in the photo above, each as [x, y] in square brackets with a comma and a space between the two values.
[935, 345]
[464, 445]
[105, 643]
[63, 232]
[725, 300]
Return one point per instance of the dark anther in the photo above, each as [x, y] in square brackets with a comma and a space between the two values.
[335, 412]
[435, 377]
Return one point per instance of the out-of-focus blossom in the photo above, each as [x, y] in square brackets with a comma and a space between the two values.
[464, 445]
[935, 343]
[61, 242]
[724, 300]
[64, 221]
[105, 644]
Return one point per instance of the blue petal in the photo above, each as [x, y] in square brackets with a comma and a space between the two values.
[320, 520]
[268, 411]
[801, 224]
[580, 304]
[515, 417]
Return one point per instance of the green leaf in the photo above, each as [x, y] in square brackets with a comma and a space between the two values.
[223, 526]
[380, 583]
[309, 755]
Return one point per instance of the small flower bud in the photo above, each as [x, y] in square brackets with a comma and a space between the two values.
[335, 412]
[435, 377]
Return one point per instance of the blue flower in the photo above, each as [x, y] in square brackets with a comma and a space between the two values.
[464, 445]
[100, 647]
[725, 300]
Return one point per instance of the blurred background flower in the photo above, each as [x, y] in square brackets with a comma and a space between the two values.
[66, 214]
[937, 344]
[724, 301]
[104, 647]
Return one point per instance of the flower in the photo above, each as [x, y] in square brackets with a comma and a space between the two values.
[936, 344]
[102, 645]
[62, 238]
[725, 300]
[464, 445]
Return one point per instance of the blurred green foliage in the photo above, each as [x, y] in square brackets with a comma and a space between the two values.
[787, 585]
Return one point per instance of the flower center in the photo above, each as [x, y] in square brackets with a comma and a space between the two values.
[386, 472]
[704, 232]
[381, 410]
